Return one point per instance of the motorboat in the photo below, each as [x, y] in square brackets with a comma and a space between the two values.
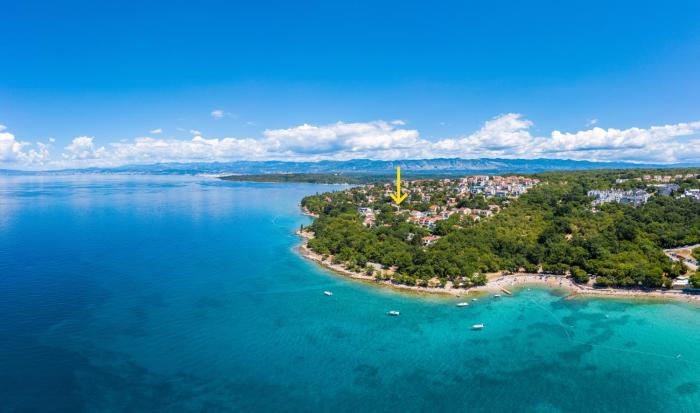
[462, 304]
[328, 293]
[394, 313]
[477, 327]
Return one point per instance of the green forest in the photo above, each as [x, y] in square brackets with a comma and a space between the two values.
[552, 227]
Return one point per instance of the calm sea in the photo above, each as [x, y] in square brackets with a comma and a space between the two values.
[140, 294]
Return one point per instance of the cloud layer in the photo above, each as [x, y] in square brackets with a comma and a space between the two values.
[504, 136]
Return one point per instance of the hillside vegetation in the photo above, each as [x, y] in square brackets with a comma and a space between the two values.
[552, 227]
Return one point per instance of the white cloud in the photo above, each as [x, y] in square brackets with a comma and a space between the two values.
[52, 140]
[10, 148]
[149, 150]
[20, 154]
[667, 143]
[340, 138]
[592, 122]
[220, 114]
[40, 155]
[83, 148]
[2, 127]
[196, 132]
[506, 136]
[502, 134]
[157, 131]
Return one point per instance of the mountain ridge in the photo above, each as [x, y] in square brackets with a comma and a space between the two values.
[357, 166]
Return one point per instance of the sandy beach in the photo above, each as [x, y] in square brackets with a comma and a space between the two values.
[502, 284]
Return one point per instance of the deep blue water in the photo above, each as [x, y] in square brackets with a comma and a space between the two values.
[185, 294]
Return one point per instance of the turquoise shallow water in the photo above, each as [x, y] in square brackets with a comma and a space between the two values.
[185, 294]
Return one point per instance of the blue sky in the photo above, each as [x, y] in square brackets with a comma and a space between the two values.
[86, 83]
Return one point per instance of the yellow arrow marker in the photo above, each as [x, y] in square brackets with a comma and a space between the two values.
[398, 198]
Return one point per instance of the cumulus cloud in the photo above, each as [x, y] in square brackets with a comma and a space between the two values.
[505, 136]
[40, 155]
[83, 148]
[508, 136]
[157, 131]
[16, 153]
[10, 148]
[668, 143]
[195, 132]
[339, 138]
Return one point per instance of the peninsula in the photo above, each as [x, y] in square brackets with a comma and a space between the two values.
[604, 232]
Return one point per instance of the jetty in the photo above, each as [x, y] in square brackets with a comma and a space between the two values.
[506, 291]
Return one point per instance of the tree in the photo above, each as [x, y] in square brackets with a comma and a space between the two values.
[580, 276]
[695, 280]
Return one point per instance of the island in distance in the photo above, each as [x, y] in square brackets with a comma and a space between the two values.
[605, 232]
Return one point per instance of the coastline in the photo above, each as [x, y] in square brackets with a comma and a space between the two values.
[305, 211]
[500, 284]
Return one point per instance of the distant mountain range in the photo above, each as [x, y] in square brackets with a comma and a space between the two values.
[361, 166]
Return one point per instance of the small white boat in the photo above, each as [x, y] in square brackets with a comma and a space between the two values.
[473, 299]
[328, 293]
[394, 313]
[497, 296]
[477, 327]
[462, 304]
